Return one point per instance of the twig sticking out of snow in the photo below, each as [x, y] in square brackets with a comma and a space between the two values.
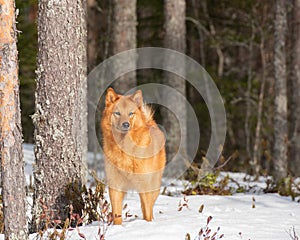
[183, 203]
[292, 234]
[206, 233]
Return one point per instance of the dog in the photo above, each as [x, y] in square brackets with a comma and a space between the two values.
[134, 149]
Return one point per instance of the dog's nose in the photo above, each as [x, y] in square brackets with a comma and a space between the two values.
[125, 125]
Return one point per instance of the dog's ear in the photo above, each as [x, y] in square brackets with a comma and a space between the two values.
[111, 96]
[137, 97]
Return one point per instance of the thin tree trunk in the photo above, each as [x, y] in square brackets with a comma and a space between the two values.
[257, 140]
[12, 165]
[248, 94]
[294, 80]
[99, 31]
[93, 31]
[217, 45]
[202, 33]
[61, 109]
[280, 111]
[124, 22]
[175, 31]
[193, 52]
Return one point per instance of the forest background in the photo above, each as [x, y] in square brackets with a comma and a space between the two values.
[233, 40]
[251, 49]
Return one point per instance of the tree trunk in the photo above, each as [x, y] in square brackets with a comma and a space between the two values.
[294, 80]
[93, 45]
[124, 22]
[257, 140]
[175, 31]
[12, 165]
[61, 109]
[248, 93]
[280, 75]
[93, 33]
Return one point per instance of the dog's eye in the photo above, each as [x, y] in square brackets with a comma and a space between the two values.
[131, 114]
[117, 113]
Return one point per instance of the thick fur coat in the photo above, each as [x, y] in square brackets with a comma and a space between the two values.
[134, 149]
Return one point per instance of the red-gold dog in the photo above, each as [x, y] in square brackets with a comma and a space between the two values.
[134, 149]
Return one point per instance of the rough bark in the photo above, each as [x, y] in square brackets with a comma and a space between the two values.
[280, 107]
[124, 22]
[12, 165]
[61, 109]
[174, 38]
[294, 80]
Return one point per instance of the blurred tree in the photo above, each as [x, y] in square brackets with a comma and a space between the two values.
[175, 38]
[294, 99]
[12, 165]
[60, 117]
[280, 75]
[123, 30]
[27, 45]
[94, 32]
[150, 16]
[262, 32]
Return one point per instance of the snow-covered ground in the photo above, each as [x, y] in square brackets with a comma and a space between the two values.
[271, 219]
[246, 216]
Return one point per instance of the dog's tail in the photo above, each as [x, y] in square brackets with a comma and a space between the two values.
[148, 112]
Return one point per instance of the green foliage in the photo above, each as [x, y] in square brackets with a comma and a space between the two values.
[209, 185]
[209, 180]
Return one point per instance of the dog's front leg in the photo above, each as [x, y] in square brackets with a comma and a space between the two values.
[147, 202]
[116, 199]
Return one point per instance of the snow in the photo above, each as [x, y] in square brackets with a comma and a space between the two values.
[270, 219]
[254, 216]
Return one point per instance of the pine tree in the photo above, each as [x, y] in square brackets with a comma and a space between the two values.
[12, 165]
[294, 80]
[61, 106]
[175, 31]
[280, 75]
[124, 21]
